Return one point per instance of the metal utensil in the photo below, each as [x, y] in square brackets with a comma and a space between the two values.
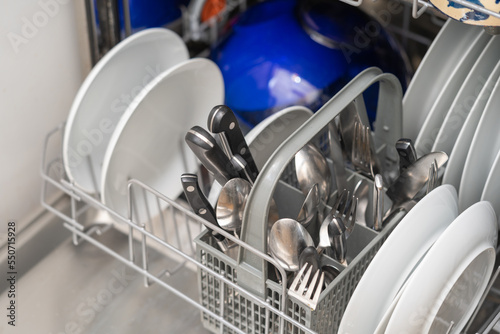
[210, 154]
[406, 152]
[311, 168]
[414, 178]
[310, 206]
[222, 120]
[231, 204]
[433, 181]
[287, 239]
[311, 256]
[305, 289]
[361, 193]
[378, 202]
[337, 156]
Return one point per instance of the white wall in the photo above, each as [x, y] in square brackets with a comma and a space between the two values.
[43, 60]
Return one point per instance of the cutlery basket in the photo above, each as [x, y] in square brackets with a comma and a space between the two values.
[245, 307]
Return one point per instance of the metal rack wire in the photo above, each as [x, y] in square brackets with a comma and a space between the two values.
[170, 244]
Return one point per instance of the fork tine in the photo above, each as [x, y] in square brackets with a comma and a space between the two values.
[312, 285]
[305, 280]
[318, 289]
[297, 280]
[337, 203]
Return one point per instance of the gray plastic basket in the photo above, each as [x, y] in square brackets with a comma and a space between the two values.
[252, 273]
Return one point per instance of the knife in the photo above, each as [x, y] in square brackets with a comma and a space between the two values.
[206, 149]
[406, 152]
[200, 205]
[223, 121]
[414, 177]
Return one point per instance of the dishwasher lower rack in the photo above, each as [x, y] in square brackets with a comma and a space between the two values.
[178, 234]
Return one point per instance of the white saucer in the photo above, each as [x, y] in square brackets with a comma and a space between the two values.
[148, 143]
[105, 94]
[448, 283]
[397, 258]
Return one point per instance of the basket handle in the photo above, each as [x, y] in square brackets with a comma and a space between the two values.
[252, 269]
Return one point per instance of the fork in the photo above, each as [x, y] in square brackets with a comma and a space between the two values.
[361, 156]
[341, 221]
[307, 290]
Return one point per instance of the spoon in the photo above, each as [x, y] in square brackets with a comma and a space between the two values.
[231, 204]
[309, 207]
[287, 240]
[311, 168]
[361, 193]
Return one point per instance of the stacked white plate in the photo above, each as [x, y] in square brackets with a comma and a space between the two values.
[429, 275]
[130, 116]
[450, 106]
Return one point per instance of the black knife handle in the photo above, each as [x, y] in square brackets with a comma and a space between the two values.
[223, 120]
[407, 153]
[210, 154]
[198, 202]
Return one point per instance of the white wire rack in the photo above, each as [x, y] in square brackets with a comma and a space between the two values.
[174, 237]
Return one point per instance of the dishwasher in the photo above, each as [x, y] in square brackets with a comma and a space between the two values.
[342, 207]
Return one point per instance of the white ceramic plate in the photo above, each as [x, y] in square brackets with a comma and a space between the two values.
[148, 143]
[267, 136]
[397, 258]
[433, 72]
[483, 150]
[105, 94]
[448, 283]
[491, 191]
[456, 162]
[465, 98]
[434, 120]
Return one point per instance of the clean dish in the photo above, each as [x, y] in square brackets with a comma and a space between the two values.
[456, 162]
[432, 73]
[267, 136]
[448, 283]
[492, 187]
[483, 150]
[382, 326]
[397, 258]
[475, 81]
[105, 94]
[434, 120]
[148, 143]
[467, 15]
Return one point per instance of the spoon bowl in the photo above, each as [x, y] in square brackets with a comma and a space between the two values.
[287, 240]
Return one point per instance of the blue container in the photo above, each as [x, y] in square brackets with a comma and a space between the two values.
[270, 62]
[274, 56]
